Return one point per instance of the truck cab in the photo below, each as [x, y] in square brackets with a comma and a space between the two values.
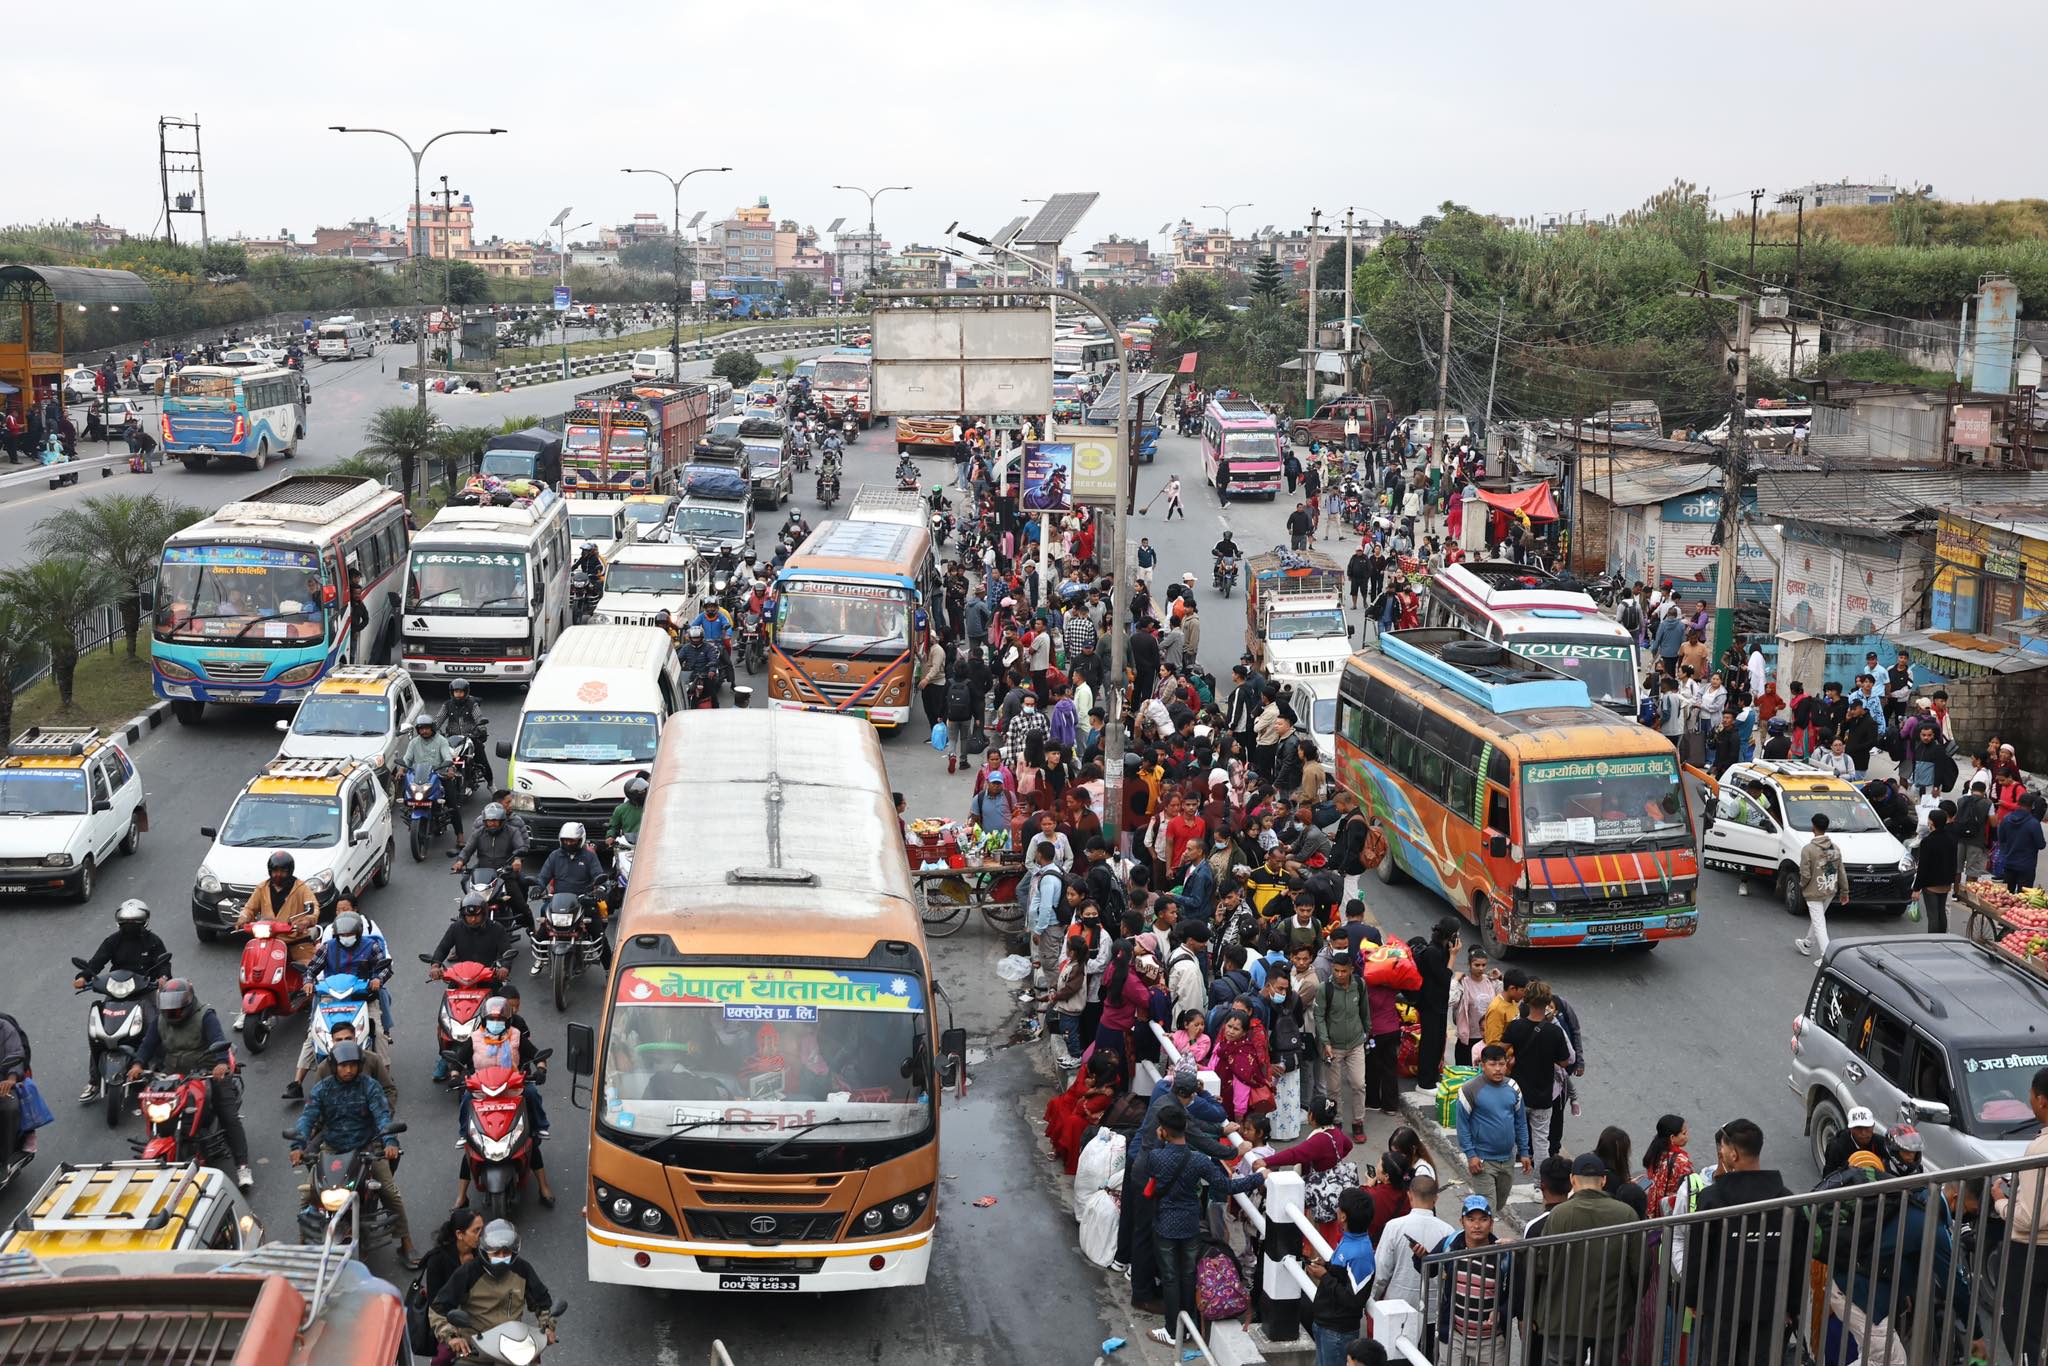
[1294, 612]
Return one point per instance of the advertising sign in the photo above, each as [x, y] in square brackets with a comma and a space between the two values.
[1048, 476]
[1972, 427]
[1095, 462]
[838, 286]
[561, 298]
[696, 291]
[986, 361]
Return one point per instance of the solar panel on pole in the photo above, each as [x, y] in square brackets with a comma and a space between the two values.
[835, 225]
[695, 219]
[1061, 214]
[1009, 231]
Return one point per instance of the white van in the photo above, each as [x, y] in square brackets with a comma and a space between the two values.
[601, 522]
[487, 590]
[721, 395]
[593, 718]
[343, 338]
[653, 365]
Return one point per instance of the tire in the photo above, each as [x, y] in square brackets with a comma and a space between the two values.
[206, 935]
[560, 973]
[262, 456]
[132, 841]
[113, 1088]
[1388, 871]
[256, 1031]
[1482, 921]
[941, 917]
[497, 1205]
[188, 712]
[82, 885]
[382, 875]
[422, 836]
[1788, 892]
[1823, 1122]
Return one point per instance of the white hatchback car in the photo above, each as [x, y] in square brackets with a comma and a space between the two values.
[1763, 818]
[333, 816]
[69, 799]
[359, 711]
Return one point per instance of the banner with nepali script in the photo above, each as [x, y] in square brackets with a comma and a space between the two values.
[770, 994]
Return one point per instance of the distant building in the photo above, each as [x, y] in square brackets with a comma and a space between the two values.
[435, 231]
[284, 244]
[643, 227]
[360, 239]
[1841, 192]
[501, 258]
[852, 250]
[103, 234]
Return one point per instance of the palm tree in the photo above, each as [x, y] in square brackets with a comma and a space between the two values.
[56, 599]
[400, 436]
[357, 466]
[124, 534]
[17, 650]
[461, 449]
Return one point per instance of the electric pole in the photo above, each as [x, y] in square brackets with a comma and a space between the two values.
[447, 271]
[1500, 316]
[1443, 380]
[1310, 358]
[1731, 489]
[1349, 388]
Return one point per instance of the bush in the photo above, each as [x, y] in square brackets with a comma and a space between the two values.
[737, 368]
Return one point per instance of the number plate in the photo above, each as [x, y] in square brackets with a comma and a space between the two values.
[750, 1282]
[462, 668]
[237, 696]
[1615, 928]
[13, 887]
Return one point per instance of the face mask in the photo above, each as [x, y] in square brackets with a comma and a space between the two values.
[499, 1261]
[494, 1027]
[347, 941]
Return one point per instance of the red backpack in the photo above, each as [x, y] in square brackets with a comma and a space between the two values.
[1220, 1291]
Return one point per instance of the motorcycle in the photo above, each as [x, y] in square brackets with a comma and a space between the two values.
[495, 884]
[428, 811]
[942, 527]
[177, 1112]
[573, 939]
[828, 487]
[512, 1343]
[753, 647]
[584, 591]
[495, 1132]
[471, 744]
[851, 426]
[114, 1028]
[1224, 576]
[271, 983]
[906, 477]
[801, 458]
[342, 1187]
[340, 998]
[702, 692]
[466, 985]
[622, 867]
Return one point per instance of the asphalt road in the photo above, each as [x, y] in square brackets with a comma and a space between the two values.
[1698, 1027]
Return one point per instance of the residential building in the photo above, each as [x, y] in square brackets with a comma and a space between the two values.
[440, 232]
[284, 244]
[642, 227]
[1118, 252]
[919, 267]
[500, 258]
[1983, 637]
[103, 234]
[1820, 195]
[853, 249]
[745, 242]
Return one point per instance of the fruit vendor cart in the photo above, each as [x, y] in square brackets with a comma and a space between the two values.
[2013, 925]
[958, 868]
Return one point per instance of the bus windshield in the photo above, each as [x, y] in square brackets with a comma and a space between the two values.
[251, 595]
[587, 737]
[1251, 445]
[844, 616]
[1594, 803]
[466, 581]
[275, 820]
[1607, 668]
[42, 792]
[761, 1055]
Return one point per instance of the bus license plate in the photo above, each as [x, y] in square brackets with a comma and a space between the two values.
[753, 1282]
[1616, 929]
[220, 696]
[13, 888]
[462, 668]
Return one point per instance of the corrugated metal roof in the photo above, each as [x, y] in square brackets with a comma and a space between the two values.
[1888, 497]
[79, 284]
[1635, 488]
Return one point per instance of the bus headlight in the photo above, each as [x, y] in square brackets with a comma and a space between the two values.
[871, 1222]
[303, 673]
[174, 671]
[629, 1211]
[898, 1212]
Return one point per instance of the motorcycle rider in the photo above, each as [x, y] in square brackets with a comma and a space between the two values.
[571, 867]
[906, 471]
[182, 1039]
[347, 1113]
[352, 951]
[499, 842]
[494, 1287]
[281, 896]
[588, 561]
[701, 659]
[1225, 552]
[374, 1065]
[132, 947]
[471, 937]
[668, 624]
[716, 623]
[502, 1040]
[428, 748]
[459, 717]
[795, 525]
[626, 815]
[937, 500]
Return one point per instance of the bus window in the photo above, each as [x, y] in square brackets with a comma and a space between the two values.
[1496, 811]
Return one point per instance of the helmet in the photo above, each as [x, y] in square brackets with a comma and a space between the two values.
[938, 488]
[498, 1246]
[458, 685]
[345, 1051]
[348, 928]
[281, 862]
[496, 1016]
[133, 914]
[696, 633]
[662, 617]
[474, 900]
[495, 811]
[174, 1000]
[1778, 723]
[1904, 1148]
[588, 547]
[636, 793]
[423, 722]
[571, 831]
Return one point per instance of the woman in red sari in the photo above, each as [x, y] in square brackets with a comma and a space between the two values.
[1241, 1061]
[1069, 1114]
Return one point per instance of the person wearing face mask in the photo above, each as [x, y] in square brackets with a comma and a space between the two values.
[497, 1286]
[353, 951]
[502, 1041]
[132, 947]
[1286, 1045]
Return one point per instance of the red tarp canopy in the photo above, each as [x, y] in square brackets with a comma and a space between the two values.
[1534, 500]
[1187, 363]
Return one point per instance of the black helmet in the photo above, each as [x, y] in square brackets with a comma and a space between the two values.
[345, 1051]
[474, 900]
[458, 685]
[132, 915]
[662, 617]
[281, 862]
[636, 793]
[174, 1000]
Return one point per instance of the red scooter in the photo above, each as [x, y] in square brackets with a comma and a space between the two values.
[496, 1137]
[467, 986]
[178, 1116]
[272, 985]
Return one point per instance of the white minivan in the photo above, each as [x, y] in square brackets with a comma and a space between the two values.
[593, 719]
[653, 365]
[343, 338]
[487, 589]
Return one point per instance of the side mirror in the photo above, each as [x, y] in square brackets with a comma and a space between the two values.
[209, 831]
[426, 958]
[102, 804]
[582, 1050]
[78, 963]
[397, 1128]
[1924, 1112]
[1769, 826]
[284, 727]
[1497, 846]
[558, 1308]
[503, 748]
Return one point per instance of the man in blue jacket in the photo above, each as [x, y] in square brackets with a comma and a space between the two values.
[1176, 1174]
[1208, 1133]
[2020, 840]
[1493, 1127]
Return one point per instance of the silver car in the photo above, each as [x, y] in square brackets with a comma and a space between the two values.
[1930, 1030]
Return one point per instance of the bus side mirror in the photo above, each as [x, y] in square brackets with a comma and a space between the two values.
[581, 1060]
[504, 749]
[1497, 846]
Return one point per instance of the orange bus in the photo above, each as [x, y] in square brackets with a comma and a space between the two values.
[850, 625]
[1547, 821]
[765, 1091]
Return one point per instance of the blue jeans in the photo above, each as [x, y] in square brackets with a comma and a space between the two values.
[1070, 1030]
[1330, 1344]
[384, 1007]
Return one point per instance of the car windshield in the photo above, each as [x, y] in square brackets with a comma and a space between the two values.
[593, 526]
[1848, 812]
[1304, 625]
[587, 737]
[250, 595]
[507, 463]
[1995, 1087]
[843, 618]
[1593, 802]
[340, 714]
[647, 514]
[703, 521]
[756, 1055]
[766, 458]
[1607, 668]
[42, 792]
[283, 821]
[466, 581]
[647, 578]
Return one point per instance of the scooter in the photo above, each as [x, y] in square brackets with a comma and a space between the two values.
[494, 884]
[272, 985]
[341, 1188]
[906, 477]
[828, 487]
[114, 1028]
[942, 527]
[341, 998]
[495, 1132]
[573, 939]
[466, 985]
[428, 812]
[584, 591]
[178, 1114]
[512, 1343]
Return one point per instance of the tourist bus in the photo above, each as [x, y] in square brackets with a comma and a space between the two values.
[1547, 821]
[1523, 608]
[748, 296]
[764, 1089]
[240, 411]
[849, 620]
[1239, 435]
[259, 600]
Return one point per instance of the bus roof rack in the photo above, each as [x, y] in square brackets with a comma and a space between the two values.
[1481, 671]
[53, 742]
[304, 498]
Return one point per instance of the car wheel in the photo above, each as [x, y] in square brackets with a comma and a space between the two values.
[1789, 894]
[382, 875]
[1823, 1123]
[81, 887]
[207, 935]
[132, 841]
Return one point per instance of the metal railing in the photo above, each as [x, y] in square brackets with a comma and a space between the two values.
[1186, 1330]
[1914, 1270]
[718, 1354]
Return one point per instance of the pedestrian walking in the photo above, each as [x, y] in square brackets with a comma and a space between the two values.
[1471, 994]
[1343, 1016]
[1173, 504]
[1493, 1127]
[1148, 559]
[1935, 877]
[1823, 882]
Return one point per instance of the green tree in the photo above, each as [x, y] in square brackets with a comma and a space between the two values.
[737, 368]
[122, 533]
[358, 466]
[399, 436]
[57, 598]
[460, 449]
[464, 282]
[799, 289]
[1181, 331]
[1267, 281]
[18, 650]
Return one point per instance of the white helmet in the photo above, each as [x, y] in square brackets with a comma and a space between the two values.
[571, 830]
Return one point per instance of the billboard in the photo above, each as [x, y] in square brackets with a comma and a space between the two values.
[1095, 462]
[962, 360]
[696, 291]
[561, 298]
[1048, 482]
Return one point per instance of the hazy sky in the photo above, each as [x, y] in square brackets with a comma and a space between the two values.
[1512, 108]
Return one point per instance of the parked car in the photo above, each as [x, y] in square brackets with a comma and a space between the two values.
[1763, 818]
[71, 799]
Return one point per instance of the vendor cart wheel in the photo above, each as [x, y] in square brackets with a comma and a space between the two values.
[941, 915]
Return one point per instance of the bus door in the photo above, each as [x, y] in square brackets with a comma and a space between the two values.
[1497, 835]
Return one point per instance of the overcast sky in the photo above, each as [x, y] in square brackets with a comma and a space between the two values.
[1511, 108]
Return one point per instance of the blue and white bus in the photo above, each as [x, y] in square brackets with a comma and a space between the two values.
[258, 601]
[240, 411]
[749, 296]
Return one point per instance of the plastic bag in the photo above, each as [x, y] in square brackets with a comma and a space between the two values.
[1015, 968]
[1100, 1167]
[939, 736]
[1098, 1228]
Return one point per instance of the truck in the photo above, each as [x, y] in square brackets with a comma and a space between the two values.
[717, 510]
[1327, 426]
[840, 384]
[928, 436]
[1294, 613]
[632, 436]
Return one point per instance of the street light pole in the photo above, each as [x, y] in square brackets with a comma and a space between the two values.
[873, 195]
[418, 282]
[1226, 211]
[675, 329]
